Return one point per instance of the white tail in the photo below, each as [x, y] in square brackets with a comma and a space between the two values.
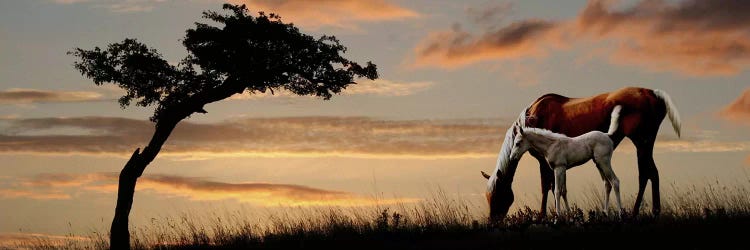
[615, 120]
[671, 110]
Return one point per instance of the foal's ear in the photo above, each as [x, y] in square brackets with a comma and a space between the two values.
[486, 176]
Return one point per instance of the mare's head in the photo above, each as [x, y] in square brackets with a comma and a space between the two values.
[499, 193]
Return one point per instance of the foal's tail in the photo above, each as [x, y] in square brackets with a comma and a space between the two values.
[671, 110]
[614, 121]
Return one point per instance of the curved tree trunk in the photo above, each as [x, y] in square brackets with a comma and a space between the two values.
[119, 237]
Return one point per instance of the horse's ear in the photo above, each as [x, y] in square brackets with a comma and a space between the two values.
[486, 176]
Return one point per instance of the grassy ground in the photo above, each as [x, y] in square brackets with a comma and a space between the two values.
[712, 217]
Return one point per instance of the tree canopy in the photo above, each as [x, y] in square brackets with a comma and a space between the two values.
[242, 53]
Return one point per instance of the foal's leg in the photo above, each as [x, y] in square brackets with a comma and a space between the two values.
[559, 186]
[614, 182]
[565, 197]
[607, 191]
[607, 186]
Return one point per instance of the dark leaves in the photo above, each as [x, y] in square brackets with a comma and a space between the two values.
[132, 66]
[244, 53]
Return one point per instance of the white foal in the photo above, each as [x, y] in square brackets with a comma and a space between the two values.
[564, 152]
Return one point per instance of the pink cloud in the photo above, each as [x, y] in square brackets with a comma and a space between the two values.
[689, 37]
[739, 110]
[456, 47]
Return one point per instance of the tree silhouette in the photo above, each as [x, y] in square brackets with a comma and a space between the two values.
[248, 54]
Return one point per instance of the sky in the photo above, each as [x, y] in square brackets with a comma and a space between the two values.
[453, 75]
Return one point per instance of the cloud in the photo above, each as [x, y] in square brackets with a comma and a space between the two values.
[387, 88]
[689, 37]
[739, 110]
[335, 13]
[31, 194]
[257, 193]
[117, 6]
[358, 137]
[490, 14]
[26, 96]
[307, 13]
[377, 87]
[707, 146]
[264, 194]
[32, 240]
[60, 180]
[261, 137]
[456, 47]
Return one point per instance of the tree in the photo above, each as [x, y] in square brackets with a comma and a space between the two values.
[248, 54]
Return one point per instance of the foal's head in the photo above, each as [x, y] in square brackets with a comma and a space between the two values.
[521, 144]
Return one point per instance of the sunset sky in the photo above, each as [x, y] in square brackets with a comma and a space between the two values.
[453, 75]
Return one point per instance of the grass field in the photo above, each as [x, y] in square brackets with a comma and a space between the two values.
[711, 216]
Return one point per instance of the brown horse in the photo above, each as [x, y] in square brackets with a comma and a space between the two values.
[642, 113]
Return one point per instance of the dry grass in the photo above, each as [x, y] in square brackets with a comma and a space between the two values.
[690, 214]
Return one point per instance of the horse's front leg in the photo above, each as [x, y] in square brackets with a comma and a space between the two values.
[559, 187]
[547, 179]
[616, 185]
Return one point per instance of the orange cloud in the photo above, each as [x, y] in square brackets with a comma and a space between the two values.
[689, 37]
[336, 13]
[739, 109]
[258, 193]
[26, 96]
[705, 146]
[378, 87]
[33, 240]
[32, 194]
[264, 194]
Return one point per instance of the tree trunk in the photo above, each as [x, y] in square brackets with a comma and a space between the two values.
[119, 237]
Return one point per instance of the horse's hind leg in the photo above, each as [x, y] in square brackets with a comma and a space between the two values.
[559, 187]
[615, 184]
[647, 171]
[605, 167]
[547, 179]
